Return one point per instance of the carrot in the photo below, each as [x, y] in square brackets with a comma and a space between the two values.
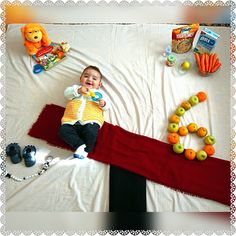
[203, 67]
[197, 57]
[207, 61]
[217, 61]
[214, 59]
[216, 67]
[210, 62]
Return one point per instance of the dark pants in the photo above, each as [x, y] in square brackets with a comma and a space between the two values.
[77, 135]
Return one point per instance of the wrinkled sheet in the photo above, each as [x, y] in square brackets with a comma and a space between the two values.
[143, 93]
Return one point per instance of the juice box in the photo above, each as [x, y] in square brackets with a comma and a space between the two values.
[206, 41]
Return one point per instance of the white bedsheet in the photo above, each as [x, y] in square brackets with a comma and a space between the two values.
[143, 93]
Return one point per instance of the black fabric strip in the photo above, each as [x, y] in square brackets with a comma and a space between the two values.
[127, 197]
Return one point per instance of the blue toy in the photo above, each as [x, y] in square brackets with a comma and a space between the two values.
[96, 96]
[38, 68]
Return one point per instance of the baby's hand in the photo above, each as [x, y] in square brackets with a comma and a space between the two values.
[83, 89]
[101, 103]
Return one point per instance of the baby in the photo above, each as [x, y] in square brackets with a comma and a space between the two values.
[83, 115]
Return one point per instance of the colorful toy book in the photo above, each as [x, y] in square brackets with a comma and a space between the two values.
[49, 56]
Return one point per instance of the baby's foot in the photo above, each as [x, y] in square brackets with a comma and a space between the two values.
[80, 153]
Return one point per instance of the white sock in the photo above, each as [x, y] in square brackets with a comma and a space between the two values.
[80, 152]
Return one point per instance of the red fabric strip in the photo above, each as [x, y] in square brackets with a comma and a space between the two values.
[47, 126]
[148, 157]
[156, 161]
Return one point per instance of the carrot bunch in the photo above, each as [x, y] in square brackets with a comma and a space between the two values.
[207, 63]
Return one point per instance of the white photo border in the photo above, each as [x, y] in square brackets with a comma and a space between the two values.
[120, 4]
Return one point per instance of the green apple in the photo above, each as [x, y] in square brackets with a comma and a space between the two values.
[178, 148]
[193, 100]
[210, 139]
[180, 111]
[173, 127]
[186, 105]
[201, 155]
[185, 65]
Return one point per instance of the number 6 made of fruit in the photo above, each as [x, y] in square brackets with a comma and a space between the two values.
[175, 131]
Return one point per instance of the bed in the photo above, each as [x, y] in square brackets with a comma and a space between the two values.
[143, 93]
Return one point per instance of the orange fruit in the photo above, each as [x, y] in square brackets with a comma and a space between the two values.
[174, 119]
[202, 132]
[202, 96]
[183, 131]
[186, 105]
[192, 127]
[190, 154]
[173, 138]
[209, 149]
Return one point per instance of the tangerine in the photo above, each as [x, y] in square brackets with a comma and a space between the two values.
[209, 149]
[202, 96]
[202, 132]
[173, 138]
[190, 154]
[192, 127]
[186, 105]
[183, 131]
[174, 119]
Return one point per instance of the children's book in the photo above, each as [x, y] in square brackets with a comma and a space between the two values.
[48, 57]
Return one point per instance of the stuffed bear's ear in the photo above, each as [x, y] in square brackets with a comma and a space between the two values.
[45, 40]
[23, 32]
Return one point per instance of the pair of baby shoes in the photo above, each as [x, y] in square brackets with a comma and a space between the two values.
[13, 150]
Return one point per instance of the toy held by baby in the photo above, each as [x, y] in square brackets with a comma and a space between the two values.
[95, 95]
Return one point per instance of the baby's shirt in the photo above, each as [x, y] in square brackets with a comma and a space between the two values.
[83, 108]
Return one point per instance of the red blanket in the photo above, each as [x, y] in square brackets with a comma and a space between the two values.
[148, 157]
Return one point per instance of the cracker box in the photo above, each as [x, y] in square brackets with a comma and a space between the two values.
[182, 38]
[206, 41]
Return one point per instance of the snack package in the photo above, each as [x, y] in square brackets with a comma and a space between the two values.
[206, 41]
[182, 38]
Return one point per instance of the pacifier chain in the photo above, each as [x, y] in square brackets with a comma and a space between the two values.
[46, 165]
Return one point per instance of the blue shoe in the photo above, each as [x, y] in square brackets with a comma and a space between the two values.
[28, 154]
[78, 156]
[13, 150]
[80, 153]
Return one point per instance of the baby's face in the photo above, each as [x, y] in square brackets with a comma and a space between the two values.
[91, 79]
